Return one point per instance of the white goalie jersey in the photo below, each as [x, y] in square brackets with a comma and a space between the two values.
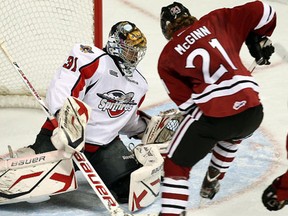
[92, 76]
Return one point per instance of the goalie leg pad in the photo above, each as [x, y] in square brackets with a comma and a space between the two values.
[33, 177]
[145, 182]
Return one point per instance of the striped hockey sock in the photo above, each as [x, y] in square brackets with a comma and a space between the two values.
[175, 194]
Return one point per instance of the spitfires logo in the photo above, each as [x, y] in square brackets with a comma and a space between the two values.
[116, 102]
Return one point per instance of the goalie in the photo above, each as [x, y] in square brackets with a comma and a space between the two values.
[95, 96]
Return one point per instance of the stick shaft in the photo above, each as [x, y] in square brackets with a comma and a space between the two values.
[252, 66]
[27, 83]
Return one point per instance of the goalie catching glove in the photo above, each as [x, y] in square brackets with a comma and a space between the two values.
[161, 129]
[72, 120]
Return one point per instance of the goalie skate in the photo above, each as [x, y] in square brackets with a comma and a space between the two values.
[35, 178]
[145, 182]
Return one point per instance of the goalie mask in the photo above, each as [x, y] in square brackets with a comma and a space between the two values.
[173, 17]
[127, 43]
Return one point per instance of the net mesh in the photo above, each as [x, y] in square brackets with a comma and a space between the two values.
[38, 35]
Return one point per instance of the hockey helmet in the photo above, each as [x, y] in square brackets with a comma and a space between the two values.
[128, 43]
[169, 14]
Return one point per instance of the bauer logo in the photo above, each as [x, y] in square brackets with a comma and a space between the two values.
[116, 102]
[27, 161]
[113, 73]
[95, 181]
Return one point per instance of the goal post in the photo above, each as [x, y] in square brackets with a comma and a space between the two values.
[39, 34]
[98, 22]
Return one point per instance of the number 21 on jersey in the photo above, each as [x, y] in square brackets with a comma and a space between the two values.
[208, 78]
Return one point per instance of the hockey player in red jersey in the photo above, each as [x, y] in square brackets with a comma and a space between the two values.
[203, 74]
[275, 196]
[109, 82]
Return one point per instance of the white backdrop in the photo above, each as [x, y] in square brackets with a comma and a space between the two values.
[260, 160]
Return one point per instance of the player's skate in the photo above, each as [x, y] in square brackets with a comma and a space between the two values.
[34, 177]
[210, 185]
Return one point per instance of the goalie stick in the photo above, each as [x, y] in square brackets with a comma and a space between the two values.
[79, 158]
[28, 84]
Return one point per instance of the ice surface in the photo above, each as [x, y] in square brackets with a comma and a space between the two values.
[260, 159]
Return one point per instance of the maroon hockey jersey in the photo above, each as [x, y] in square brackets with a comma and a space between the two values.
[201, 64]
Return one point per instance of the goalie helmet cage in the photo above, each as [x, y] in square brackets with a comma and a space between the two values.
[39, 35]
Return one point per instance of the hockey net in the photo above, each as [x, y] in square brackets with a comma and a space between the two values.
[39, 34]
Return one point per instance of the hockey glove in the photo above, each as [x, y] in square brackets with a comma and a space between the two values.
[260, 48]
[162, 127]
[273, 197]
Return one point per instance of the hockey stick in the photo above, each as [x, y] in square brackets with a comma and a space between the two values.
[79, 158]
[28, 84]
[252, 66]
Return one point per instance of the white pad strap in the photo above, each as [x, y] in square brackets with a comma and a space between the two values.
[72, 121]
[162, 147]
[145, 182]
